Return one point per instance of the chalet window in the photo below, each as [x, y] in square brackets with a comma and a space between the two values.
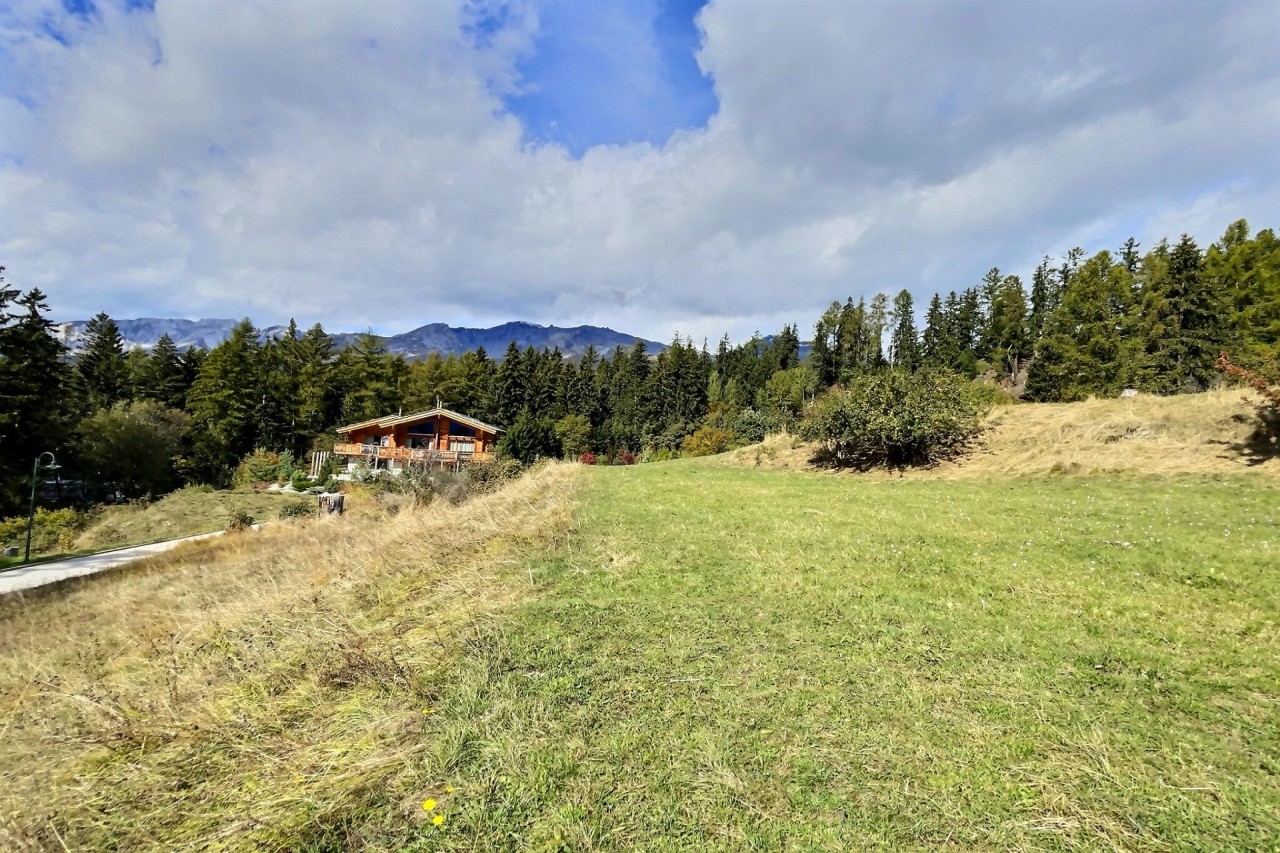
[463, 446]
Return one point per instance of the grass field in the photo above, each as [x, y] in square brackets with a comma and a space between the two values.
[698, 656]
[185, 512]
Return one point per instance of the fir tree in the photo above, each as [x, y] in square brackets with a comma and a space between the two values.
[1183, 324]
[1089, 338]
[34, 416]
[100, 369]
[162, 377]
[904, 344]
[223, 404]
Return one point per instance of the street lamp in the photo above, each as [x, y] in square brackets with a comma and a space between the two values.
[31, 515]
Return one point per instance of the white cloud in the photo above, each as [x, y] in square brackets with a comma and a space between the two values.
[352, 163]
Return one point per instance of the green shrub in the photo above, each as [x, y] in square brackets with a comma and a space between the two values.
[895, 418]
[295, 509]
[261, 466]
[751, 426]
[239, 520]
[706, 441]
[52, 530]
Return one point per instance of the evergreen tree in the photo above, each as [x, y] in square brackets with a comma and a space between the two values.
[939, 349]
[1183, 324]
[374, 381]
[876, 323]
[1089, 338]
[224, 403]
[34, 416]
[1043, 298]
[163, 377]
[1009, 333]
[904, 344]
[1246, 271]
[100, 369]
[511, 387]
[824, 352]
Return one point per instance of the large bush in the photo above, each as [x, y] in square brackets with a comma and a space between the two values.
[706, 441]
[895, 418]
[130, 448]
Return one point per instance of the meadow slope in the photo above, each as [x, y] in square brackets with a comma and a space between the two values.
[1209, 433]
[696, 655]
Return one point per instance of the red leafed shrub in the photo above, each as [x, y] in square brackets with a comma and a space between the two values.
[1265, 381]
[587, 458]
[626, 457]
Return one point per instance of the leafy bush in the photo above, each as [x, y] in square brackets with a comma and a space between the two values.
[574, 433]
[52, 530]
[1265, 381]
[751, 426]
[261, 466]
[624, 457]
[297, 510]
[706, 441]
[587, 458]
[895, 418]
[239, 520]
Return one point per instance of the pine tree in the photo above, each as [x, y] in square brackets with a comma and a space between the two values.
[162, 377]
[824, 352]
[1044, 298]
[511, 386]
[1010, 338]
[34, 417]
[939, 350]
[1247, 273]
[904, 344]
[224, 403]
[100, 369]
[1183, 324]
[877, 320]
[1089, 338]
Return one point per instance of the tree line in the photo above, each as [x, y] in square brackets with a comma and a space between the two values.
[143, 421]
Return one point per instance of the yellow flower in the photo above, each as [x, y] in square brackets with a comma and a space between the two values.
[438, 819]
[428, 711]
[448, 789]
[429, 805]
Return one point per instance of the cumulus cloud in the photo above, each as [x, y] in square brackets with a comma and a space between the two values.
[357, 164]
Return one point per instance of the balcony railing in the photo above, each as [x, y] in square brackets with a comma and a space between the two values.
[411, 454]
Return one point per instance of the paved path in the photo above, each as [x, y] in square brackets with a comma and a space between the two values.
[38, 574]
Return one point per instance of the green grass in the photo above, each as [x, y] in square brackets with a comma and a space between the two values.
[742, 660]
[185, 512]
[680, 656]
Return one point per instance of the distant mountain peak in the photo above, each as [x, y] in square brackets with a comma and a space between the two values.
[416, 343]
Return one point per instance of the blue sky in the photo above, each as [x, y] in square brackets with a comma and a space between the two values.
[701, 166]
[613, 72]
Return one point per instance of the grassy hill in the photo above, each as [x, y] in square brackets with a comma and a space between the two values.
[681, 656]
[1206, 433]
[185, 512]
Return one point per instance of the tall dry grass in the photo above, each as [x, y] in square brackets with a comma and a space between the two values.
[1205, 433]
[261, 691]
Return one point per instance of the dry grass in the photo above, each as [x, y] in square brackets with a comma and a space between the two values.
[1192, 433]
[260, 691]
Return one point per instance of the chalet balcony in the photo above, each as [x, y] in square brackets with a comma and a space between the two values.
[409, 455]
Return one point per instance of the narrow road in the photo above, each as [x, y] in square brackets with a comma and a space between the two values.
[39, 574]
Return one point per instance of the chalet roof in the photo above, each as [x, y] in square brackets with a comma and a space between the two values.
[388, 421]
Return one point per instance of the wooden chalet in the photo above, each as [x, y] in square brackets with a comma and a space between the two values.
[436, 437]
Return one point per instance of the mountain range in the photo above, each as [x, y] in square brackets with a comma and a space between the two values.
[415, 344]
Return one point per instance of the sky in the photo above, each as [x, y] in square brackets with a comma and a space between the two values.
[657, 166]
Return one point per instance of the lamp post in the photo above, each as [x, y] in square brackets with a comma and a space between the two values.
[31, 515]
